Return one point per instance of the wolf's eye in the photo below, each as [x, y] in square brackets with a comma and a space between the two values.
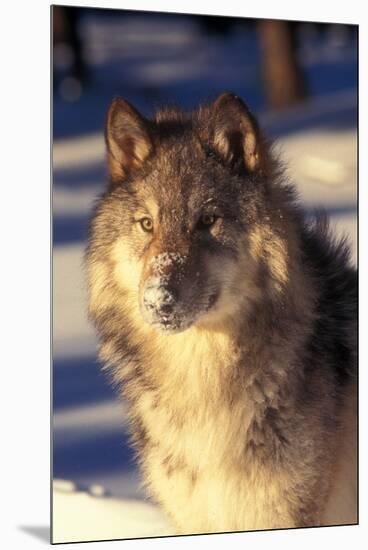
[146, 225]
[206, 220]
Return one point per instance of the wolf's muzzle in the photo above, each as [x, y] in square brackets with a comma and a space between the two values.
[160, 301]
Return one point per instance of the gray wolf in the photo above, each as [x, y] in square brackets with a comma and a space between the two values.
[227, 320]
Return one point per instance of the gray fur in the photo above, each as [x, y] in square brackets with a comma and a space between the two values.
[251, 391]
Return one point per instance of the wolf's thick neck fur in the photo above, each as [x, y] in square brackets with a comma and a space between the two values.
[238, 421]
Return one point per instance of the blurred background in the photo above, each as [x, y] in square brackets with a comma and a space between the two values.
[299, 78]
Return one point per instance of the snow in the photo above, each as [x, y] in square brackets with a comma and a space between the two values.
[323, 163]
[78, 152]
[80, 516]
[318, 140]
[73, 336]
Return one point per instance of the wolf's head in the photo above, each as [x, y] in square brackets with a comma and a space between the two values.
[183, 233]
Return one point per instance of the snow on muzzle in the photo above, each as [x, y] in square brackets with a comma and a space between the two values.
[164, 294]
[174, 293]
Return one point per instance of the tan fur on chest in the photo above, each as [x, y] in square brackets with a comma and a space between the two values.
[196, 465]
[220, 497]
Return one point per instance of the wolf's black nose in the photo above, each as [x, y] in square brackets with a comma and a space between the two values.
[160, 299]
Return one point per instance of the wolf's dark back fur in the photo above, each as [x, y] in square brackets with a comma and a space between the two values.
[337, 304]
[239, 369]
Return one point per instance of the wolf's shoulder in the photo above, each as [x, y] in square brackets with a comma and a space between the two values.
[328, 257]
[328, 260]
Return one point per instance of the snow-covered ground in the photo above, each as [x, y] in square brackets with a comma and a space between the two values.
[319, 142]
[91, 516]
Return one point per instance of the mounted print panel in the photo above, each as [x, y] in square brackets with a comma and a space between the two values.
[204, 274]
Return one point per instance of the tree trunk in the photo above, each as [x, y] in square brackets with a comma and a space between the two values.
[283, 78]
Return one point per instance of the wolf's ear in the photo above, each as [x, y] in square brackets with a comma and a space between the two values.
[235, 131]
[127, 138]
